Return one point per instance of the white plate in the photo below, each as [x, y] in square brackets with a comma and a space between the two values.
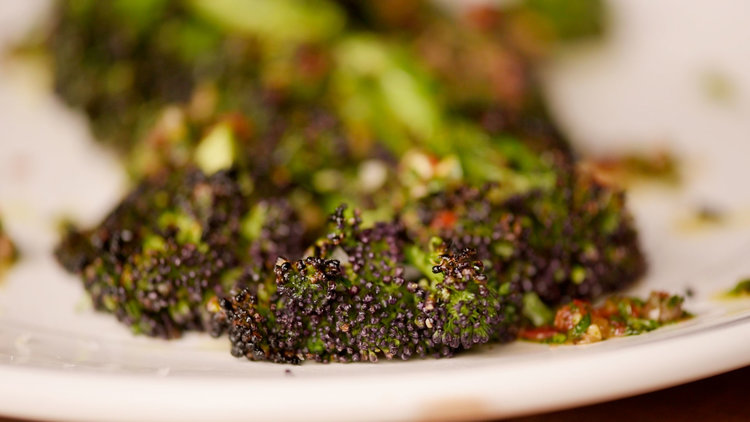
[60, 360]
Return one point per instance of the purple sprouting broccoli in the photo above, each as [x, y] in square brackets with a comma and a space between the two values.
[575, 241]
[354, 299]
[179, 239]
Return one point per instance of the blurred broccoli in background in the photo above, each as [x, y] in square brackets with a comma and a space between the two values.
[386, 70]
[122, 61]
[8, 251]
[323, 98]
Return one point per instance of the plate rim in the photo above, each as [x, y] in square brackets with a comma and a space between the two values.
[480, 391]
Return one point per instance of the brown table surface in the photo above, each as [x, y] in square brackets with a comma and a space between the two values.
[720, 398]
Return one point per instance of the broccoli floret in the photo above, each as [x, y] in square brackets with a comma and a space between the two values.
[144, 56]
[305, 158]
[173, 244]
[160, 291]
[574, 241]
[8, 251]
[471, 311]
[592, 239]
[122, 62]
[352, 300]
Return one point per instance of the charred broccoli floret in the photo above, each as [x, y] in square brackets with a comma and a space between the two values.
[363, 306]
[574, 241]
[463, 321]
[174, 243]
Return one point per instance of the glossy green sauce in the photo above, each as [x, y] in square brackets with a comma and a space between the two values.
[741, 289]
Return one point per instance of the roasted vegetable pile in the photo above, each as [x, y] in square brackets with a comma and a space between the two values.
[245, 129]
